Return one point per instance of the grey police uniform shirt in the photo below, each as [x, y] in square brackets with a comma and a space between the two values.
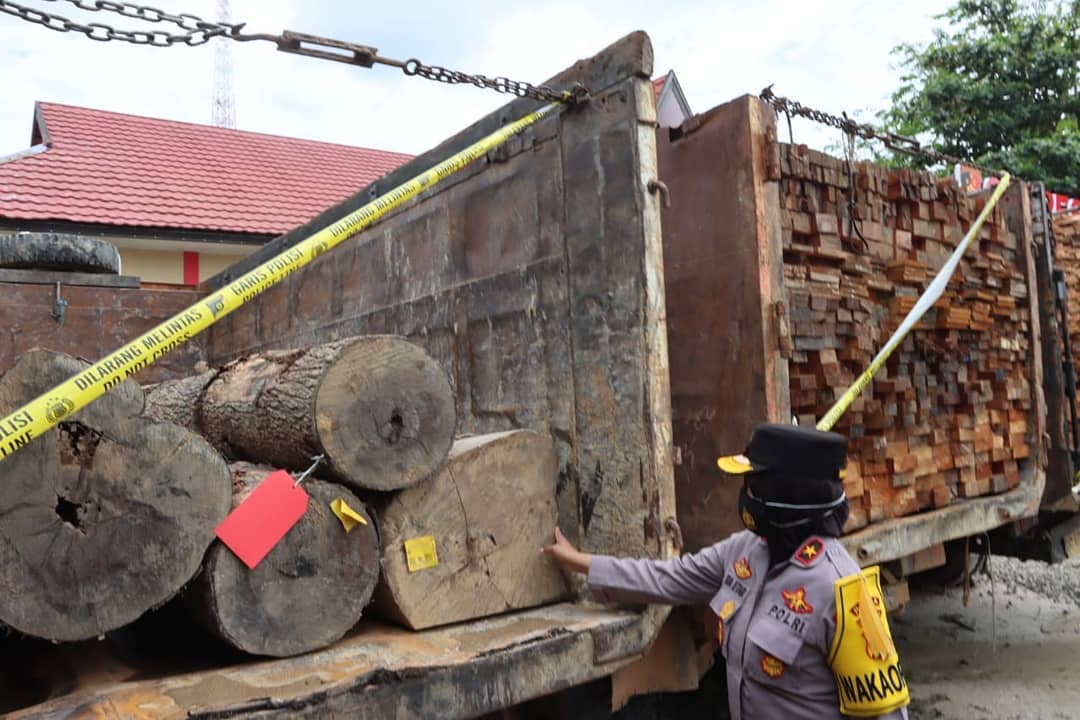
[777, 623]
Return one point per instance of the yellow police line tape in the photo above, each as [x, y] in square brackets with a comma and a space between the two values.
[925, 302]
[42, 413]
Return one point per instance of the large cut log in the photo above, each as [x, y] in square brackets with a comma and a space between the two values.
[308, 590]
[379, 407]
[487, 512]
[103, 517]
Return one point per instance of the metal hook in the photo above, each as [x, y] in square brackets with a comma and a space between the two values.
[304, 475]
[59, 307]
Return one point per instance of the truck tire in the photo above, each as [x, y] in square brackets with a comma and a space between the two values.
[58, 251]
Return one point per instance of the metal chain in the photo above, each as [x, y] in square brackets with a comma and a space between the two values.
[200, 32]
[542, 93]
[186, 21]
[893, 141]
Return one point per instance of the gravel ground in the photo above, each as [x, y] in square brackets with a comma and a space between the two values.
[1011, 654]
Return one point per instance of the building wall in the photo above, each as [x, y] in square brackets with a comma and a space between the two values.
[150, 266]
[96, 321]
[669, 114]
[175, 262]
[159, 261]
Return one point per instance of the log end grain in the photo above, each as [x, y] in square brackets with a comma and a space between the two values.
[103, 517]
[489, 511]
[306, 593]
[385, 413]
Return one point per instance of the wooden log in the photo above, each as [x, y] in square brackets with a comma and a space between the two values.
[178, 401]
[489, 511]
[103, 517]
[308, 591]
[379, 407]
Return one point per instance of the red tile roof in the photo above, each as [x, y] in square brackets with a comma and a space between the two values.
[116, 169]
[658, 85]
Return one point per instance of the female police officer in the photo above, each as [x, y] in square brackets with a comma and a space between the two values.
[802, 630]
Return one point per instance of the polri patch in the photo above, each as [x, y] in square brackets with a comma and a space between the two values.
[742, 569]
[796, 601]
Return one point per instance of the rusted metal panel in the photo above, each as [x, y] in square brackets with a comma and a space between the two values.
[674, 663]
[721, 270]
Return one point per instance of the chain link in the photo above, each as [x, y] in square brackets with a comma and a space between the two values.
[414, 67]
[893, 141]
[191, 23]
[200, 32]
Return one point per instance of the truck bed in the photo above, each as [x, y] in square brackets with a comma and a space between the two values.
[377, 671]
[535, 278]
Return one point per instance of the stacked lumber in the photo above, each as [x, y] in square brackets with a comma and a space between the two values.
[1066, 230]
[948, 416]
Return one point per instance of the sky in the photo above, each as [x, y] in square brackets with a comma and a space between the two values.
[832, 55]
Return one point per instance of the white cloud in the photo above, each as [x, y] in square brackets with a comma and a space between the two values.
[834, 55]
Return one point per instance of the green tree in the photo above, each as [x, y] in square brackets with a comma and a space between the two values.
[1000, 84]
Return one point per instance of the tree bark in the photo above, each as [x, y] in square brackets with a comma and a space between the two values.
[178, 401]
[105, 516]
[379, 408]
[490, 510]
[308, 590]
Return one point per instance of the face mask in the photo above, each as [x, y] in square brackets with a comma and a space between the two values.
[764, 518]
[752, 512]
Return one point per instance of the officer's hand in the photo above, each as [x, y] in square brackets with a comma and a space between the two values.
[570, 557]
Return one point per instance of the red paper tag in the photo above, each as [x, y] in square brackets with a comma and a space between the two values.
[259, 522]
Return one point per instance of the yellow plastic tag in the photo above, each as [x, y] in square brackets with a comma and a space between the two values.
[348, 517]
[420, 553]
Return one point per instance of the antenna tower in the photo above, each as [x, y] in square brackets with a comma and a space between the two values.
[224, 106]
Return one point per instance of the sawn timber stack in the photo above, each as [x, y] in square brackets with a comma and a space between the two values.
[1066, 229]
[104, 517]
[948, 416]
[378, 407]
